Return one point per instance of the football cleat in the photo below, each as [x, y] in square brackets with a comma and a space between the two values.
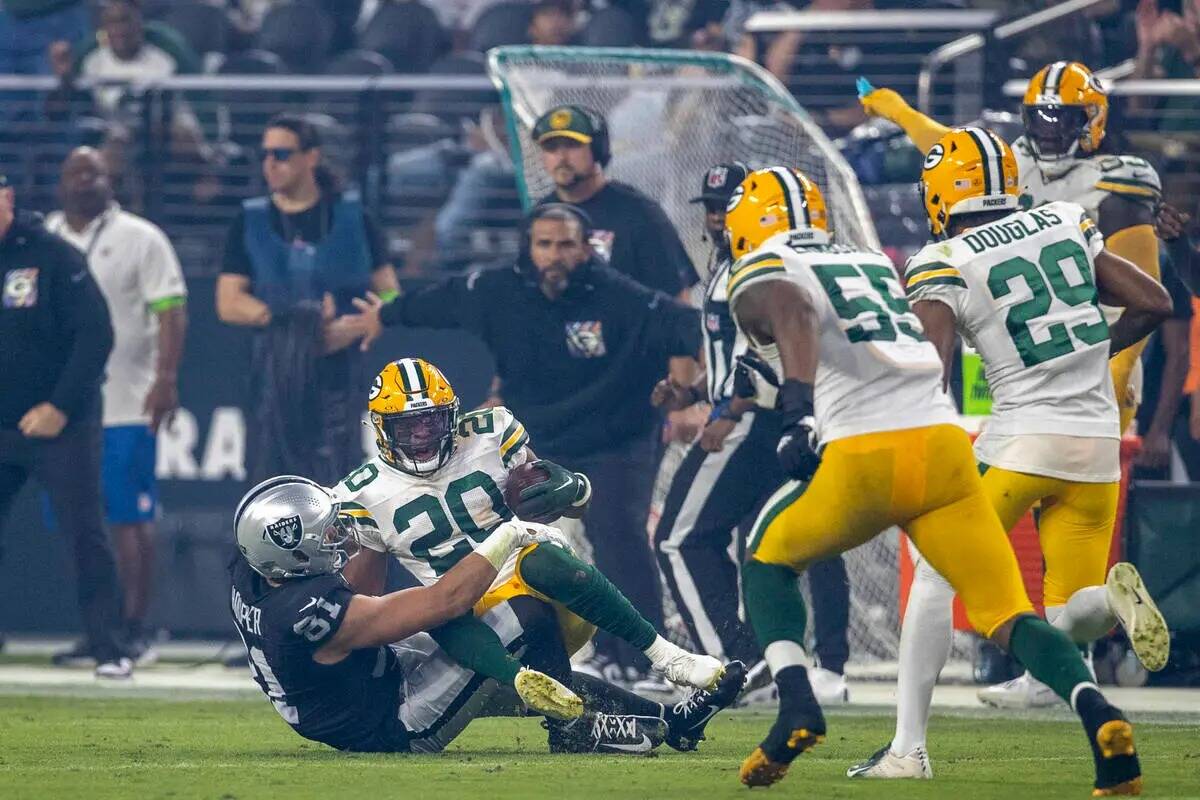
[795, 732]
[829, 687]
[545, 695]
[886, 764]
[117, 669]
[1025, 691]
[689, 669]
[1138, 615]
[618, 734]
[687, 719]
[1118, 771]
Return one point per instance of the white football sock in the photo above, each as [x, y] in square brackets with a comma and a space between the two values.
[925, 639]
[1086, 617]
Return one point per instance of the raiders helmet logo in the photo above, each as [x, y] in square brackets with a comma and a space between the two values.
[934, 157]
[285, 533]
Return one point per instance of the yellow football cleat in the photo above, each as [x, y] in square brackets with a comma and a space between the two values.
[758, 770]
[545, 695]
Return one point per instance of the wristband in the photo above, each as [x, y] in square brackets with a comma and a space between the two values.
[499, 544]
[719, 409]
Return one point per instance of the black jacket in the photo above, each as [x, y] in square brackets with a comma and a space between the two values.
[577, 371]
[55, 332]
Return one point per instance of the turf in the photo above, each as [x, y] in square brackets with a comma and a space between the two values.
[95, 748]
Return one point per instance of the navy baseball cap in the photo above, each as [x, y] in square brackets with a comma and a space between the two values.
[720, 180]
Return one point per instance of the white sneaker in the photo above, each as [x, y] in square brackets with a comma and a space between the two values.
[690, 669]
[886, 764]
[1023, 692]
[829, 687]
[119, 669]
[1138, 615]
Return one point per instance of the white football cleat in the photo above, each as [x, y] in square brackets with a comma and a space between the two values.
[886, 764]
[1134, 608]
[1023, 692]
[689, 669]
[829, 687]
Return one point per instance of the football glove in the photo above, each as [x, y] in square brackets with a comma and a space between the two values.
[798, 450]
[545, 501]
[749, 364]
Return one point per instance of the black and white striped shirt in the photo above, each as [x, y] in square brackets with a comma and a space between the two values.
[722, 340]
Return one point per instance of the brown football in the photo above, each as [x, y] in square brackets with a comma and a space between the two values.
[519, 478]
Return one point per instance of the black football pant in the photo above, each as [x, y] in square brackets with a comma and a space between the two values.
[699, 546]
[622, 482]
[68, 469]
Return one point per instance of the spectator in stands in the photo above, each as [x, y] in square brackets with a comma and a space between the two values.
[1169, 47]
[126, 48]
[293, 262]
[552, 22]
[630, 231]
[139, 275]
[29, 27]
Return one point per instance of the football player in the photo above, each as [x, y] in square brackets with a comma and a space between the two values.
[1065, 155]
[1024, 287]
[438, 486]
[354, 671]
[870, 441]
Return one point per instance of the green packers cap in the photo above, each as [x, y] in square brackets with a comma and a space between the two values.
[565, 121]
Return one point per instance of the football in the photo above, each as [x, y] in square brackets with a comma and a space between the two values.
[520, 478]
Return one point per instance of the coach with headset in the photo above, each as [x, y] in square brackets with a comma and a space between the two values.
[578, 347]
[630, 231]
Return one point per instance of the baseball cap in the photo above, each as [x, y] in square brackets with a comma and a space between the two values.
[720, 180]
[566, 121]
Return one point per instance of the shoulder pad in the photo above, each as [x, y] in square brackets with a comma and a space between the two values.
[763, 261]
[497, 424]
[935, 264]
[1128, 175]
[353, 486]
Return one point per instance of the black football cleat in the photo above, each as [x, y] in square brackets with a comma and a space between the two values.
[687, 719]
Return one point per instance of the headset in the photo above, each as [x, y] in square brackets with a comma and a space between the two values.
[524, 265]
[601, 144]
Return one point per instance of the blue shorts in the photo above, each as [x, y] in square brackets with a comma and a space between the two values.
[127, 475]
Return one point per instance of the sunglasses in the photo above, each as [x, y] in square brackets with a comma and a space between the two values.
[278, 153]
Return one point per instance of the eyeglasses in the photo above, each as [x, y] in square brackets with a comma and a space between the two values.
[278, 153]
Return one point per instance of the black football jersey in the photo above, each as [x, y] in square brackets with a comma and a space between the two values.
[350, 705]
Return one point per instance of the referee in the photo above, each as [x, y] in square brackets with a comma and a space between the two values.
[724, 479]
[55, 335]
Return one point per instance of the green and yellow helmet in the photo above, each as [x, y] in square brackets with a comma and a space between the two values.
[414, 412]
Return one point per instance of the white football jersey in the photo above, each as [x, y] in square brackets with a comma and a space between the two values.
[430, 522]
[1086, 181]
[877, 371]
[1023, 293]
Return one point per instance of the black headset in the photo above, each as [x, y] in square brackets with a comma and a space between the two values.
[601, 145]
[524, 265]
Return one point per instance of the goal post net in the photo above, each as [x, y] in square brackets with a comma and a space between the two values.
[671, 115]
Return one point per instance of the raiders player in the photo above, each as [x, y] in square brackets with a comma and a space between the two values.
[725, 477]
[324, 654]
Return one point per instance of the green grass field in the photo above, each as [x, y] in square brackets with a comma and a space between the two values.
[57, 747]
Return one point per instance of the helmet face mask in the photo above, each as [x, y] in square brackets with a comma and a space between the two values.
[414, 412]
[1054, 132]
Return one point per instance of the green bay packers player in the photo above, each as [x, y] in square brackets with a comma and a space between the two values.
[870, 441]
[1061, 157]
[1023, 287]
[437, 488]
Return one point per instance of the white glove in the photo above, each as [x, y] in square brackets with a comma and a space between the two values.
[533, 532]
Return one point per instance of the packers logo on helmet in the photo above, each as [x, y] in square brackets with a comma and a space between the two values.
[969, 170]
[1065, 111]
[771, 201]
[414, 412]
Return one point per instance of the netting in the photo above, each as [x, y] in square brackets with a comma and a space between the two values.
[671, 115]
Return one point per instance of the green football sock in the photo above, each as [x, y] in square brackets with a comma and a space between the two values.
[583, 589]
[774, 604]
[1049, 655]
[469, 642]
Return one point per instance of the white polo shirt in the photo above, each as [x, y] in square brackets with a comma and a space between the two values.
[139, 275]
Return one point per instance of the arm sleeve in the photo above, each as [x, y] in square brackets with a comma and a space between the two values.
[320, 611]
[86, 322]
[1091, 234]
[159, 274]
[236, 260]
[664, 262]
[922, 130]
[672, 328]
[454, 302]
